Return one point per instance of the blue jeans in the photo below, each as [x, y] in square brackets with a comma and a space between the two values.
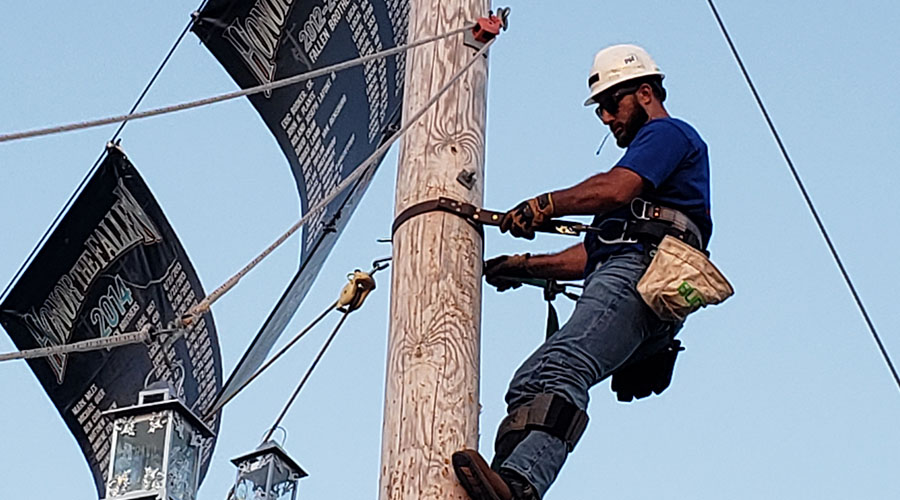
[611, 325]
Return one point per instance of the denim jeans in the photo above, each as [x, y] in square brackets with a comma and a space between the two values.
[611, 325]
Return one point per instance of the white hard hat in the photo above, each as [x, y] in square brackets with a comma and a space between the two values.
[617, 64]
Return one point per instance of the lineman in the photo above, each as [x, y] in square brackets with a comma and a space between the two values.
[660, 186]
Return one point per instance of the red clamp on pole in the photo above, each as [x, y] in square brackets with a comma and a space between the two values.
[487, 28]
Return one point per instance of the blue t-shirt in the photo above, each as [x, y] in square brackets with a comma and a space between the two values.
[672, 159]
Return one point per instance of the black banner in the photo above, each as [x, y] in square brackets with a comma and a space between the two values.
[112, 266]
[326, 126]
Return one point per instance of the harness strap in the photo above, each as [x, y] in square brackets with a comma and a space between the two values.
[655, 231]
[649, 223]
[645, 210]
[549, 413]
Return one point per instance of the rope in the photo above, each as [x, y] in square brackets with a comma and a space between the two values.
[230, 95]
[204, 305]
[272, 360]
[309, 371]
[85, 345]
[359, 287]
[93, 169]
[807, 198]
[351, 298]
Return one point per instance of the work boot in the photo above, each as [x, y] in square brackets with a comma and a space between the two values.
[483, 483]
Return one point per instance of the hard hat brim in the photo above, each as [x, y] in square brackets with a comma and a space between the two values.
[601, 88]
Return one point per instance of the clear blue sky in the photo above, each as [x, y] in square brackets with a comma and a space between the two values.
[781, 393]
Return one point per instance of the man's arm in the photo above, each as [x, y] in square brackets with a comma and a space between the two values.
[503, 271]
[566, 265]
[598, 194]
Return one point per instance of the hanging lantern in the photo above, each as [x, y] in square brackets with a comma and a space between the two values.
[267, 473]
[155, 449]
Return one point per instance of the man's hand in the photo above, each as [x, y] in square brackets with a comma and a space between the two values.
[529, 214]
[502, 271]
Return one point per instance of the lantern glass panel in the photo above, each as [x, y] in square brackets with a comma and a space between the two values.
[140, 446]
[184, 454]
[283, 482]
[253, 477]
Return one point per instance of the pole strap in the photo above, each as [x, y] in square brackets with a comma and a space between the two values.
[479, 217]
[467, 211]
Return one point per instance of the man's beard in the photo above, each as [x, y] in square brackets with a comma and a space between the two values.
[637, 120]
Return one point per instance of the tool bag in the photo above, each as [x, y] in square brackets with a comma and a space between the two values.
[681, 280]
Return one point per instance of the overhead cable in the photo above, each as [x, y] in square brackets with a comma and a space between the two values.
[306, 376]
[807, 197]
[90, 172]
[272, 360]
[363, 168]
[231, 95]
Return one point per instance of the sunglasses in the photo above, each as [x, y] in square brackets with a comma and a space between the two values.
[610, 102]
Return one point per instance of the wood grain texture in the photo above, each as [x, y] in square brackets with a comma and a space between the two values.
[431, 395]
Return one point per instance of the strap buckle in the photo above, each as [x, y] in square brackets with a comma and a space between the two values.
[619, 238]
[687, 230]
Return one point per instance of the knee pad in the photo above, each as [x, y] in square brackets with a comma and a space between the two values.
[549, 413]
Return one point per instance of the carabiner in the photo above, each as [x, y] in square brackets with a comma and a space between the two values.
[618, 240]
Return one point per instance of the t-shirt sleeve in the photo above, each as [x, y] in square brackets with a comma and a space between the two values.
[655, 152]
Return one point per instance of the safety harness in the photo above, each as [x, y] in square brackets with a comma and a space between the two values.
[649, 224]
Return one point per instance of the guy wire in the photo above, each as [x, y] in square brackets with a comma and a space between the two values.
[807, 197]
[93, 169]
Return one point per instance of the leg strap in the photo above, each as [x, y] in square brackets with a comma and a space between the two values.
[549, 413]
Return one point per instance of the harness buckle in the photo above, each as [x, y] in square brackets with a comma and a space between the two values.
[616, 240]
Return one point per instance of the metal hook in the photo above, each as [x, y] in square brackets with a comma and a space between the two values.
[380, 264]
[284, 431]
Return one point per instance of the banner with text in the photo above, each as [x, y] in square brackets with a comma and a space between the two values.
[112, 266]
[326, 126]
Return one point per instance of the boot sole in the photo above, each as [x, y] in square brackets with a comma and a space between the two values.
[472, 478]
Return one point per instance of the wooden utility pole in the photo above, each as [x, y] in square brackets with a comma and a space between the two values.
[431, 396]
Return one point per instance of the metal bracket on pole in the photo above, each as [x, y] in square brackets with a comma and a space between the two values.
[466, 178]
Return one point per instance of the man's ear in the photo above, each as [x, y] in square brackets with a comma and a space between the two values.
[645, 94]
